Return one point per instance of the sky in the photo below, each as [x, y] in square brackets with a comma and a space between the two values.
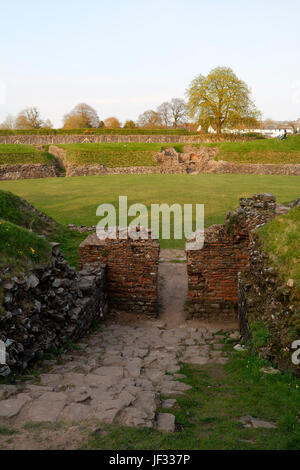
[125, 57]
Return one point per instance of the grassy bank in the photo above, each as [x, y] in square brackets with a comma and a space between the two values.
[24, 154]
[114, 155]
[260, 151]
[21, 249]
[281, 241]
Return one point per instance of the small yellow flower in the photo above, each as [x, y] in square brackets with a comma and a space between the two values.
[32, 250]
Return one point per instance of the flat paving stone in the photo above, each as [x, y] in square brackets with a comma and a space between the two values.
[251, 422]
[117, 372]
[170, 403]
[12, 407]
[199, 360]
[75, 413]
[47, 408]
[166, 422]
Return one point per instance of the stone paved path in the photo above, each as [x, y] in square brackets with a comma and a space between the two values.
[173, 287]
[119, 375]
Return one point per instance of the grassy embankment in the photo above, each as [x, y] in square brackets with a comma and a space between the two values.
[21, 246]
[260, 151]
[24, 154]
[255, 151]
[115, 155]
[281, 241]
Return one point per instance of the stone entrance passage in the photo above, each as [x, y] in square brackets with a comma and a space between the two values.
[173, 284]
[132, 270]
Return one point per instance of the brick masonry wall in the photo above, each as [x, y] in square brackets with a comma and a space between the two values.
[212, 274]
[132, 271]
[213, 270]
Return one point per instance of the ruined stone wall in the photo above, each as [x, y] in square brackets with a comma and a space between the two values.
[19, 171]
[83, 138]
[190, 161]
[132, 271]
[213, 270]
[47, 308]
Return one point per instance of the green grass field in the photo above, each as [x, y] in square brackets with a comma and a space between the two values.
[11, 154]
[260, 151]
[75, 200]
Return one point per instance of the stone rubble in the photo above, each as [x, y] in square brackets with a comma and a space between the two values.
[47, 308]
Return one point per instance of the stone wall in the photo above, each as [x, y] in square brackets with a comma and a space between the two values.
[18, 171]
[213, 270]
[77, 139]
[132, 270]
[47, 308]
[95, 169]
[268, 302]
[222, 167]
[190, 161]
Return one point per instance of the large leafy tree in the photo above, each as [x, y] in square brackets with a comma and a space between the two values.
[112, 123]
[129, 124]
[82, 116]
[220, 100]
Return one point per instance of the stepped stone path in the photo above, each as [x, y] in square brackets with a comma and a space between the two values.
[120, 374]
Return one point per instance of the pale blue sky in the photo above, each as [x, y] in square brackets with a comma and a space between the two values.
[124, 57]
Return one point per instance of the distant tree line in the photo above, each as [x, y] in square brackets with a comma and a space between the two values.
[219, 101]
